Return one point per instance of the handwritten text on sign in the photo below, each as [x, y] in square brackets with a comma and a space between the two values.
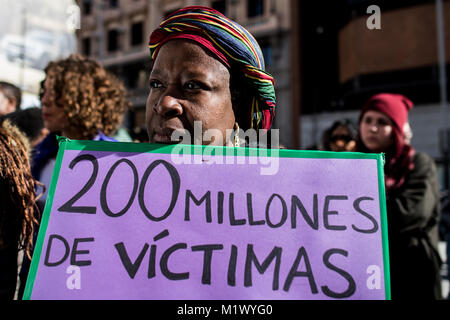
[136, 226]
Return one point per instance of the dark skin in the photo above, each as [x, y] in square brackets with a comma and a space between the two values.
[188, 85]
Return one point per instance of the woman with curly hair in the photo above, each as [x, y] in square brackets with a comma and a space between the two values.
[18, 214]
[80, 100]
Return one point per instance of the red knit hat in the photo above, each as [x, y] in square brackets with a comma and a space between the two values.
[395, 106]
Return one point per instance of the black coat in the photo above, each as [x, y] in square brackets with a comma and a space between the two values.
[413, 213]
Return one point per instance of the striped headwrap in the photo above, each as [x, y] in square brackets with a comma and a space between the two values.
[231, 44]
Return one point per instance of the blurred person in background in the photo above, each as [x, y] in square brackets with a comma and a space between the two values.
[412, 197]
[30, 122]
[339, 137]
[444, 231]
[10, 98]
[80, 100]
[18, 212]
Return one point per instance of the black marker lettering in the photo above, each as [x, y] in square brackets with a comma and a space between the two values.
[207, 258]
[165, 261]
[253, 260]
[351, 283]
[312, 222]
[356, 204]
[327, 213]
[283, 212]
[206, 197]
[175, 178]
[75, 252]
[295, 273]
[49, 246]
[130, 267]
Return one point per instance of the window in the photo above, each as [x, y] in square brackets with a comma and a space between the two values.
[86, 46]
[113, 3]
[131, 76]
[255, 8]
[87, 7]
[137, 32]
[267, 50]
[220, 6]
[113, 40]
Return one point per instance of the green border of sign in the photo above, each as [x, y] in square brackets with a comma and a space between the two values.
[67, 144]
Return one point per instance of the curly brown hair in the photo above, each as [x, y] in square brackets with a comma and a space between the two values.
[93, 98]
[18, 210]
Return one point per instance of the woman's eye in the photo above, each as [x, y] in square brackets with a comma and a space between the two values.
[191, 85]
[154, 84]
[367, 120]
[382, 123]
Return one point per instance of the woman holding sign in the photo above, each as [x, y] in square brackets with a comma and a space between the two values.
[412, 197]
[208, 74]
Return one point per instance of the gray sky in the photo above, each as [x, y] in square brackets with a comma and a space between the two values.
[50, 15]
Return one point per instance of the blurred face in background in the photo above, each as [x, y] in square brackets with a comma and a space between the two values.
[55, 118]
[376, 130]
[6, 106]
[341, 140]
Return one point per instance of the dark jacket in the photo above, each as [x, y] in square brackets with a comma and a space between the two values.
[413, 213]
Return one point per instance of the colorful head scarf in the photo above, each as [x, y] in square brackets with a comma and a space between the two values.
[231, 44]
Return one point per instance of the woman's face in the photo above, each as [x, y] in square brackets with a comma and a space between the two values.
[376, 131]
[6, 106]
[188, 85]
[55, 118]
[341, 140]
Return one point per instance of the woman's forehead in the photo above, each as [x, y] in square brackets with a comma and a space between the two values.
[341, 129]
[376, 114]
[187, 55]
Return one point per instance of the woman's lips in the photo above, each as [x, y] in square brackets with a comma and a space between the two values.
[165, 136]
[162, 138]
[371, 140]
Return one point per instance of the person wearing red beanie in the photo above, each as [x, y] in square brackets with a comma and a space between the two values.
[412, 197]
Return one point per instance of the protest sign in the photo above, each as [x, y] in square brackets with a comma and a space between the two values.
[130, 221]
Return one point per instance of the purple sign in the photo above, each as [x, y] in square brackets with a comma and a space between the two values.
[122, 224]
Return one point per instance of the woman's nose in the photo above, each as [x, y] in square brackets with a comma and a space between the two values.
[168, 106]
[373, 127]
[46, 100]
